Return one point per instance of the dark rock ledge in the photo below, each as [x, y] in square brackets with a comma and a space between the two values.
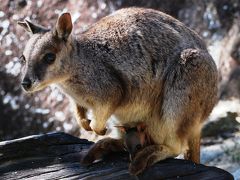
[57, 156]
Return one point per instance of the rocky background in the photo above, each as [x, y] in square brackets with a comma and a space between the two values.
[217, 21]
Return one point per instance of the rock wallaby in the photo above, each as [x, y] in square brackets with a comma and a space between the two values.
[140, 65]
[135, 138]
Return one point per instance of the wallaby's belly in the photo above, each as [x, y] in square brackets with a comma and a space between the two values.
[133, 113]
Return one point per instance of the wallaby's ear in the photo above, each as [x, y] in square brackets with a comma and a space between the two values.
[122, 128]
[24, 25]
[31, 27]
[64, 26]
[141, 127]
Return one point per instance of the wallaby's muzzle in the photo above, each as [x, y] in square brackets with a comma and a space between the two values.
[26, 84]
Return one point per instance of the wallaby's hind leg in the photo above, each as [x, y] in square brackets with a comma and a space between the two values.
[80, 114]
[101, 148]
[149, 156]
[193, 152]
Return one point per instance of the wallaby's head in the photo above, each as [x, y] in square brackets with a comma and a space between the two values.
[134, 138]
[46, 53]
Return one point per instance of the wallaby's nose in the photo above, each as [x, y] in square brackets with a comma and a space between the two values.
[26, 83]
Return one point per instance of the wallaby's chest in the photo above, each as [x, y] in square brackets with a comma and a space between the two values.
[77, 96]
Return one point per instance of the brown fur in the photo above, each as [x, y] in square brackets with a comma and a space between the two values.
[102, 148]
[135, 138]
[140, 65]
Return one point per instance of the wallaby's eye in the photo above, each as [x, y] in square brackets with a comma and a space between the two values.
[138, 147]
[22, 60]
[49, 58]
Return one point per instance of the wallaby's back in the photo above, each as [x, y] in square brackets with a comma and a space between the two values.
[142, 41]
[146, 50]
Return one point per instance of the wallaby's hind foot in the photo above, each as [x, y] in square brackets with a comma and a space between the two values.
[102, 148]
[149, 156]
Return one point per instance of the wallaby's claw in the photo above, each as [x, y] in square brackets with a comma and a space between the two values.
[87, 160]
[136, 169]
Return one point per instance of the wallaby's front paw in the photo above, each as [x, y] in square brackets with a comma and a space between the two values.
[86, 124]
[98, 128]
[100, 132]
